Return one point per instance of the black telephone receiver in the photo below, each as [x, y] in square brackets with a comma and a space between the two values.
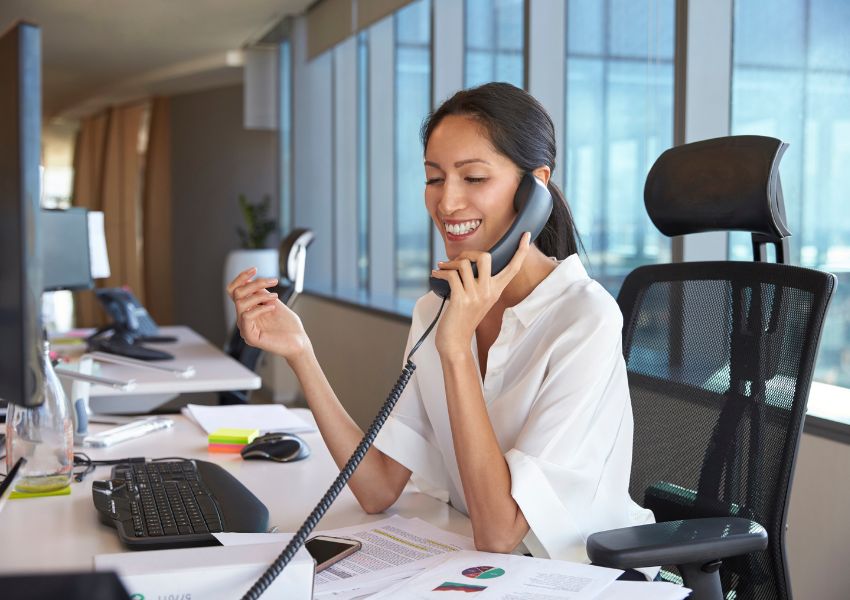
[533, 203]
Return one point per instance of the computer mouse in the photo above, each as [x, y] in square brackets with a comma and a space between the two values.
[279, 447]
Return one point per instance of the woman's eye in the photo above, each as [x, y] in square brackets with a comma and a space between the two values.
[476, 179]
[433, 180]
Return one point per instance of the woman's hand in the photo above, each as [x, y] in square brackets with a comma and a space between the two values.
[263, 320]
[472, 298]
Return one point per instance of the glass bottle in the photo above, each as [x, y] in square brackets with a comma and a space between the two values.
[44, 435]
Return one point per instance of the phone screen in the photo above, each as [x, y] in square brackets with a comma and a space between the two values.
[324, 550]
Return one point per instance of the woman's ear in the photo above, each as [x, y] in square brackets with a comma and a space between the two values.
[543, 173]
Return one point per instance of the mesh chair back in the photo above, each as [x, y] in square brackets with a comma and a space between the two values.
[720, 358]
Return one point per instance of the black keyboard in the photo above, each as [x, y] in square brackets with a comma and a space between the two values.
[176, 504]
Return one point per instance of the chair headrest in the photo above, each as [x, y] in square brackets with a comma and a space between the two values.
[723, 184]
[297, 240]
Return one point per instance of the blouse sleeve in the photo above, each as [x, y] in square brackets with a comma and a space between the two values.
[408, 437]
[571, 462]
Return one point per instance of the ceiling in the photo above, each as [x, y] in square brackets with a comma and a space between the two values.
[100, 52]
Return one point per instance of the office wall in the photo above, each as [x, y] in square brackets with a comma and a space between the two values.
[818, 538]
[213, 160]
[361, 353]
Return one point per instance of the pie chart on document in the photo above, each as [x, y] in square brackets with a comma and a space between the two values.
[483, 572]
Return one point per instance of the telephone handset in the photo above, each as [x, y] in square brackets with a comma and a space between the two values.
[533, 203]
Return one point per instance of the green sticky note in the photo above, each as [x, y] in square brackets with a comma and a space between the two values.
[65, 491]
[227, 435]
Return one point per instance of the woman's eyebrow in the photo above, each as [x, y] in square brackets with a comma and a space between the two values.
[458, 164]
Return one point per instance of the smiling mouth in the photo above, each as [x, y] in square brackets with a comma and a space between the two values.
[462, 229]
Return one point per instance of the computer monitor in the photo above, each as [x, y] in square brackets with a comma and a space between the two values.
[65, 249]
[20, 250]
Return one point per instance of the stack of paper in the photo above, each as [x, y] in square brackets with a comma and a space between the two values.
[411, 559]
[265, 417]
[394, 549]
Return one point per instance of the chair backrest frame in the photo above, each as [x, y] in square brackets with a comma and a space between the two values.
[820, 285]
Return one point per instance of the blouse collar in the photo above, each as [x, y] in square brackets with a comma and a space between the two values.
[569, 271]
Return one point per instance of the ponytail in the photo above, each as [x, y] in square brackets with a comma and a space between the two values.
[559, 237]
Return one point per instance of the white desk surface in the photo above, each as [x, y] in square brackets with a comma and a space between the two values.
[64, 533]
[215, 371]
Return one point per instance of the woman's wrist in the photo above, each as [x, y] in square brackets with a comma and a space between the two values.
[455, 353]
[450, 343]
[301, 359]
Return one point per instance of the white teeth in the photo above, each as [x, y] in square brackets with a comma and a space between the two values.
[462, 228]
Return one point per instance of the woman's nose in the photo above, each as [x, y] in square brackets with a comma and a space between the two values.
[452, 198]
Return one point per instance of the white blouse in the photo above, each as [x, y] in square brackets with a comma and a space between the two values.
[558, 400]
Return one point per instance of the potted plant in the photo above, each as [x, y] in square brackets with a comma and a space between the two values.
[253, 234]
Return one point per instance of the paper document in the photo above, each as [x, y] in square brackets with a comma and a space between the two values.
[265, 417]
[393, 549]
[488, 576]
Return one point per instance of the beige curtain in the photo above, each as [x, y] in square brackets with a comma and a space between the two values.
[110, 174]
[89, 151]
[156, 209]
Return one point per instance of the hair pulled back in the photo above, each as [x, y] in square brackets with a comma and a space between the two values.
[519, 128]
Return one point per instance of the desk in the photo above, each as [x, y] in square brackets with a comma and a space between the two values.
[63, 533]
[215, 371]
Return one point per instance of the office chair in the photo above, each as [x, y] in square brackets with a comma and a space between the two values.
[293, 262]
[720, 358]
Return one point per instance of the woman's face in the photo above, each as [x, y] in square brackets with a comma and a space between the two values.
[469, 187]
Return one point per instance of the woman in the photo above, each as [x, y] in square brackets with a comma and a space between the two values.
[518, 412]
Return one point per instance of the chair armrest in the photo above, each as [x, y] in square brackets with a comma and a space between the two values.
[676, 542]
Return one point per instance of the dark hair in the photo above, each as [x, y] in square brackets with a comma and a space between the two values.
[520, 129]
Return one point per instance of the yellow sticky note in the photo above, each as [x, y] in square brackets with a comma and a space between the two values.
[65, 491]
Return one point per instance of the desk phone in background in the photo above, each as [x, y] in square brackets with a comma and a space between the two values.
[127, 312]
[533, 203]
[131, 326]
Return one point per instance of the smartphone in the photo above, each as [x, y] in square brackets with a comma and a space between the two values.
[327, 550]
[533, 203]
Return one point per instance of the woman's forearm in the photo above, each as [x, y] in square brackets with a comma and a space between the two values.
[379, 480]
[497, 521]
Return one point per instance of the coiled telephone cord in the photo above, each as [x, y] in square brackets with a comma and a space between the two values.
[279, 564]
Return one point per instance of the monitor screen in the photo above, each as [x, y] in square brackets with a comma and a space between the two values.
[20, 250]
[65, 249]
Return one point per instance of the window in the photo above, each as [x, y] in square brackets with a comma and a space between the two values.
[619, 118]
[791, 80]
[412, 105]
[285, 136]
[493, 41]
[363, 162]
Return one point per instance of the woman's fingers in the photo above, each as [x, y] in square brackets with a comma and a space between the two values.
[257, 311]
[247, 289]
[246, 304]
[465, 271]
[453, 277]
[243, 277]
